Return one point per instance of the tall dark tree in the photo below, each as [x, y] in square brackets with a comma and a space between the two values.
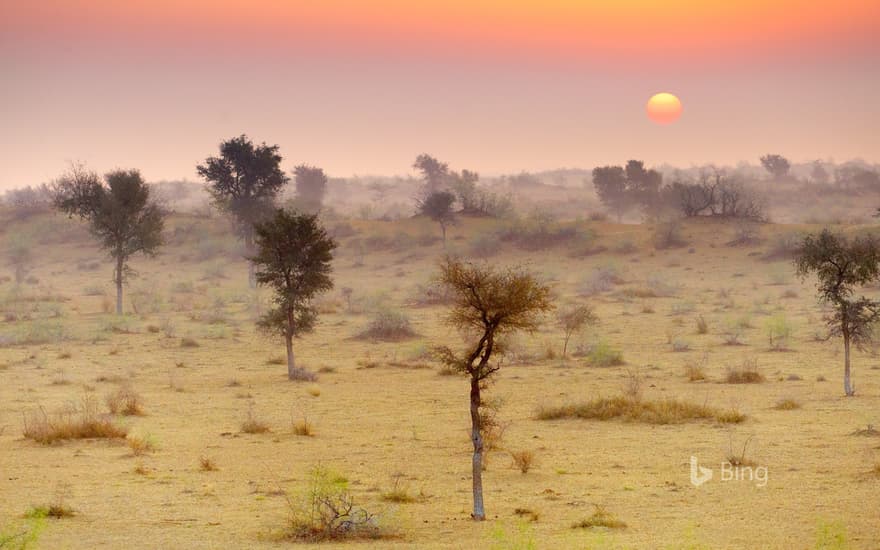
[120, 211]
[434, 173]
[244, 181]
[293, 255]
[841, 265]
[438, 207]
[777, 165]
[610, 184]
[488, 304]
[311, 186]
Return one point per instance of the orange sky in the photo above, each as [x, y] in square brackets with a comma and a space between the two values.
[362, 87]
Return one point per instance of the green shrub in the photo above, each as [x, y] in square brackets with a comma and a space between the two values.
[601, 354]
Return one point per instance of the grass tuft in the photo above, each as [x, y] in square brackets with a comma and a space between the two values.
[665, 411]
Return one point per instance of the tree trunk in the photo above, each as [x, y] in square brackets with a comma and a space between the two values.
[477, 437]
[249, 251]
[120, 265]
[288, 339]
[443, 229]
[565, 345]
[847, 383]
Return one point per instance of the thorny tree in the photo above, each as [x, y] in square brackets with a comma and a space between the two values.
[841, 265]
[244, 181]
[121, 213]
[293, 257]
[487, 303]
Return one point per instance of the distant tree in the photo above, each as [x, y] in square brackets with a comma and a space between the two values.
[120, 211]
[841, 266]
[311, 185]
[487, 303]
[293, 255]
[464, 186]
[573, 319]
[643, 185]
[438, 207]
[244, 181]
[610, 185]
[20, 255]
[777, 165]
[819, 175]
[434, 173]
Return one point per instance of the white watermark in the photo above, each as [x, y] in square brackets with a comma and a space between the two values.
[756, 474]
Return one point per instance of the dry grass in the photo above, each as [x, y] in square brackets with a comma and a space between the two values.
[665, 411]
[523, 460]
[207, 464]
[600, 518]
[302, 427]
[55, 510]
[125, 401]
[253, 425]
[695, 371]
[747, 373]
[76, 422]
[399, 492]
[787, 404]
[141, 444]
[314, 390]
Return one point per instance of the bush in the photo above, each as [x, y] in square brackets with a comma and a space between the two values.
[388, 325]
[523, 460]
[326, 511]
[602, 279]
[779, 332]
[600, 518]
[75, 422]
[125, 401]
[666, 411]
[668, 235]
[601, 354]
[747, 373]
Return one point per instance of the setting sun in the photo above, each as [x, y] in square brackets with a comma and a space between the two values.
[664, 108]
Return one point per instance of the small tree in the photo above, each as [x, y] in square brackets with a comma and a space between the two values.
[777, 165]
[293, 255]
[311, 185]
[121, 213]
[434, 173]
[487, 303]
[244, 181]
[610, 184]
[438, 207]
[842, 265]
[573, 319]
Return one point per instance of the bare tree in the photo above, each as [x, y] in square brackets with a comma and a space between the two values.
[842, 265]
[487, 303]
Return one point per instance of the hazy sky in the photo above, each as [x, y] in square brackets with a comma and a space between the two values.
[362, 87]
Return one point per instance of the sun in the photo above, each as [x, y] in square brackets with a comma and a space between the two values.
[664, 108]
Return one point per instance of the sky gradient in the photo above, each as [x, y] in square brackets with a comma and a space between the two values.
[497, 86]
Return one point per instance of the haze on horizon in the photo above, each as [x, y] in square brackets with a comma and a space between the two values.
[489, 85]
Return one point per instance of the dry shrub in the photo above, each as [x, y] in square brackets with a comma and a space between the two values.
[695, 370]
[207, 464]
[188, 343]
[665, 411]
[141, 444]
[747, 373]
[302, 427]
[326, 511]
[600, 518]
[388, 325]
[399, 492]
[252, 424]
[702, 325]
[125, 401]
[523, 460]
[787, 404]
[80, 421]
[492, 429]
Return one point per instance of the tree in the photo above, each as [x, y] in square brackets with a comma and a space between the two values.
[438, 207]
[487, 303]
[311, 185]
[777, 165]
[244, 181]
[840, 266]
[574, 319]
[121, 213]
[610, 184]
[293, 255]
[434, 172]
[819, 174]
